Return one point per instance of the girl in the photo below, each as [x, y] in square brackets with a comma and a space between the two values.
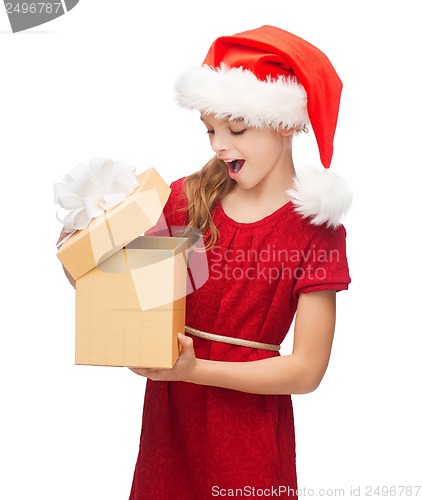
[220, 422]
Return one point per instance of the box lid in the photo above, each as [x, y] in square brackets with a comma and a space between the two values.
[108, 233]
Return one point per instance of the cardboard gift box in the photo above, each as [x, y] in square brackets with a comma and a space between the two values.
[130, 289]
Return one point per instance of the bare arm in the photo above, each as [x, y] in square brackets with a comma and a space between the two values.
[299, 372]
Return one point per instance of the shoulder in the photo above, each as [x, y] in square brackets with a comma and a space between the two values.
[177, 190]
[307, 227]
[177, 184]
[175, 208]
[322, 234]
[302, 237]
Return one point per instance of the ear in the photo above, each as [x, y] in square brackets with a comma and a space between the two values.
[287, 132]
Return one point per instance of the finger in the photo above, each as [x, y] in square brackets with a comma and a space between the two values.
[186, 342]
[139, 371]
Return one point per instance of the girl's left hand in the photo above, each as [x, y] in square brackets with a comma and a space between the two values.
[182, 369]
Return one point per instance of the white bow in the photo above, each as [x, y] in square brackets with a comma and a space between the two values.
[87, 191]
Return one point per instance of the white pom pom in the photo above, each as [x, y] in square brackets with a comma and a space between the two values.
[322, 196]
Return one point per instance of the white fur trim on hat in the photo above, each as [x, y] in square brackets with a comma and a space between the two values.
[237, 93]
[321, 195]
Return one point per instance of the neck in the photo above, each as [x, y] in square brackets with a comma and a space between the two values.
[271, 187]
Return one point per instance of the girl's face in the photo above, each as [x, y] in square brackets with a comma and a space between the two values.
[252, 155]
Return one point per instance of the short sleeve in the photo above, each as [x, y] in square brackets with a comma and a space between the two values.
[324, 263]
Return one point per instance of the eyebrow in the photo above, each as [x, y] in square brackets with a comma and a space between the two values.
[235, 120]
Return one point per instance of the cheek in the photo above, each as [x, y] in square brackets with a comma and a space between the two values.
[266, 151]
[268, 142]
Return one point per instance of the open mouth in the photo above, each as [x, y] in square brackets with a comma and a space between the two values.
[235, 165]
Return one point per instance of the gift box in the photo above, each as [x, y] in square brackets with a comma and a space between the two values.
[130, 289]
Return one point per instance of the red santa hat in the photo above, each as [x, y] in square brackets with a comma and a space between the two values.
[271, 78]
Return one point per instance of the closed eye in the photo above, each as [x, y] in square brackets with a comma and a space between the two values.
[232, 132]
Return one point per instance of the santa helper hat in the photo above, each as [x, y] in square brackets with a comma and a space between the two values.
[269, 77]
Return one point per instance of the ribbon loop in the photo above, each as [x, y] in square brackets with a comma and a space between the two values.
[87, 191]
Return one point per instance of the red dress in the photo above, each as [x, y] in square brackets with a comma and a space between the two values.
[199, 442]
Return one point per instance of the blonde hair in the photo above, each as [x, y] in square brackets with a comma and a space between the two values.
[203, 190]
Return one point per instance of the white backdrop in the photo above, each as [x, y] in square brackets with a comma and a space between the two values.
[99, 82]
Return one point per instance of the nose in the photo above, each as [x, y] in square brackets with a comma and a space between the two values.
[219, 143]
